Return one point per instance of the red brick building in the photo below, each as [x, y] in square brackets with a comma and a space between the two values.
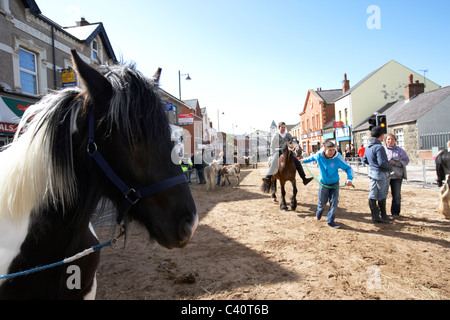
[318, 110]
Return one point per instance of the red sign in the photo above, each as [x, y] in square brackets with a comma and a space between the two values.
[338, 124]
[185, 118]
[8, 127]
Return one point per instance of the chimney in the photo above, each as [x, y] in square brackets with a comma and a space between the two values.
[157, 76]
[345, 84]
[413, 89]
[82, 22]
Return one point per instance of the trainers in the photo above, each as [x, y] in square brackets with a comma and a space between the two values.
[319, 214]
[333, 225]
[307, 180]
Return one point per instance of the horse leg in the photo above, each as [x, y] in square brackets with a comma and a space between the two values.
[274, 190]
[294, 196]
[283, 197]
[223, 180]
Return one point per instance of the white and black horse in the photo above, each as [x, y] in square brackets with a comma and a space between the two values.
[443, 180]
[110, 140]
[442, 166]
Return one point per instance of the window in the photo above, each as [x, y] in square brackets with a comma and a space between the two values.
[28, 71]
[364, 139]
[400, 137]
[95, 49]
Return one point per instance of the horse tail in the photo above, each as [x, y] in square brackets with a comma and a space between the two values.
[268, 188]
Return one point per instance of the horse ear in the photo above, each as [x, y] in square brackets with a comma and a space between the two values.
[99, 89]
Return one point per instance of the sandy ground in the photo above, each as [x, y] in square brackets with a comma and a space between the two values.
[246, 248]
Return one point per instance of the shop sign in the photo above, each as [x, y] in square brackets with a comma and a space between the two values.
[68, 78]
[11, 110]
[8, 127]
[338, 124]
[185, 119]
[329, 135]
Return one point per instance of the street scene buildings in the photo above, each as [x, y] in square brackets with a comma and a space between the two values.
[35, 59]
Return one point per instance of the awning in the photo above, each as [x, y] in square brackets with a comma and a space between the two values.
[11, 110]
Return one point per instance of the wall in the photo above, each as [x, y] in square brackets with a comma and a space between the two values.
[21, 28]
[384, 86]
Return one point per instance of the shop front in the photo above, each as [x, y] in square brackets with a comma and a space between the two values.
[12, 107]
[343, 137]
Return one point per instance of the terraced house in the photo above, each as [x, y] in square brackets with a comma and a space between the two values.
[35, 57]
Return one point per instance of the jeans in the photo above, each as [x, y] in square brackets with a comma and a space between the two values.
[396, 188]
[378, 189]
[331, 194]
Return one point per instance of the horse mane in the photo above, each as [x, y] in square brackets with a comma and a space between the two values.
[33, 172]
[37, 169]
[135, 108]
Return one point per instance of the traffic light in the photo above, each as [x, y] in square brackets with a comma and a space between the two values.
[382, 122]
[372, 122]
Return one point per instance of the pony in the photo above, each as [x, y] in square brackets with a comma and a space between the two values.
[231, 170]
[227, 170]
[286, 172]
[443, 180]
[444, 204]
[442, 166]
[110, 140]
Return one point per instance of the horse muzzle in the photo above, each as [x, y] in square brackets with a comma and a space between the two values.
[187, 231]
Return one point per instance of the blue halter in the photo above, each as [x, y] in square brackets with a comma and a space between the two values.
[131, 196]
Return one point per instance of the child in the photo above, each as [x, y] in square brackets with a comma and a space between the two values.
[330, 161]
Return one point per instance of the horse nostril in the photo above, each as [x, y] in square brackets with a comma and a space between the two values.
[188, 228]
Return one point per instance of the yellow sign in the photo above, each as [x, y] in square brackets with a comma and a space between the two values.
[68, 77]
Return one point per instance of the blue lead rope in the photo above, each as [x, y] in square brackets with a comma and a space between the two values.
[324, 185]
[77, 256]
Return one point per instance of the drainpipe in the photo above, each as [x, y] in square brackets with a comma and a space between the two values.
[54, 59]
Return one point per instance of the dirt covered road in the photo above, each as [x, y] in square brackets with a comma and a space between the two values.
[246, 248]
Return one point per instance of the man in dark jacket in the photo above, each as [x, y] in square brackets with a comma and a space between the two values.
[379, 174]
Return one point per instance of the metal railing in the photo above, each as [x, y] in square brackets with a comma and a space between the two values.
[419, 171]
[430, 140]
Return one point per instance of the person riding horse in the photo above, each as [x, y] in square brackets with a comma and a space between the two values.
[279, 142]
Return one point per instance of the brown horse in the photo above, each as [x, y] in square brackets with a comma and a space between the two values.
[286, 172]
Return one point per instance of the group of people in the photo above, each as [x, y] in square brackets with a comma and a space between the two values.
[387, 168]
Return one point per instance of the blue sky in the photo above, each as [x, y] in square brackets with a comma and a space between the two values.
[254, 60]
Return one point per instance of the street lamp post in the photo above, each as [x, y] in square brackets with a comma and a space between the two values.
[179, 80]
[218, 126]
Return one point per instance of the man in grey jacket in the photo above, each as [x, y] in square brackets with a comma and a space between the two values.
[379, 174]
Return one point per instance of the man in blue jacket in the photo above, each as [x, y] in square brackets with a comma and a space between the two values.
[379, 174]
[330, 161]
